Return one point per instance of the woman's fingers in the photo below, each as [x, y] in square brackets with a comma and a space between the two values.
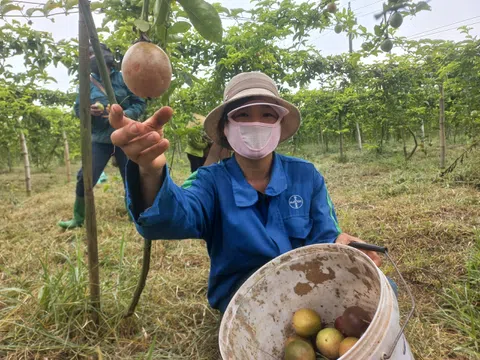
[375, 257]
[148, 156]
[160, 118]
[346, 239]
[124, 135]
[134, 147]
[128, 130]
[116, 117]
[143, 143]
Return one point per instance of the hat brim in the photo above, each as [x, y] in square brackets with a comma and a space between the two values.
[290, 123]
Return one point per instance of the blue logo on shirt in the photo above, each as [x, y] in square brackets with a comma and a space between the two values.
[295, 201]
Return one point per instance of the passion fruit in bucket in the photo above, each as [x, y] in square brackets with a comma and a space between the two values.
[324, 278]
[306, 322]
[354, 321]
[299, 350]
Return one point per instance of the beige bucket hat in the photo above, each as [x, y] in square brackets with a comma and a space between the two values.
[250, 84]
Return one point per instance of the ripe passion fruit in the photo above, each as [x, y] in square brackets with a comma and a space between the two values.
[146, 70]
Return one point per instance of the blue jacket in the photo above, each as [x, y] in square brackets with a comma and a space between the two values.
[132, 105]
[219, 206]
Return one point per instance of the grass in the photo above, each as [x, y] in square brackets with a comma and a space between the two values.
[431, 226]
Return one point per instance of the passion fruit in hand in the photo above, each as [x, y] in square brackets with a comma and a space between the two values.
[146, 70]
[99, 106]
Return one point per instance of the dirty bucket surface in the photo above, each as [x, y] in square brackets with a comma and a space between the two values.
[327, 278]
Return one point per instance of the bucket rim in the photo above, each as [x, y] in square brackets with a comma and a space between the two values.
[258, 276]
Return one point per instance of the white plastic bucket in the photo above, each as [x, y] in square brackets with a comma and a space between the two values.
[325, 277]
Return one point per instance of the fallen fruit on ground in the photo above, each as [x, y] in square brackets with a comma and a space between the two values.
[306, 322]
[328, 342]
[146, 70]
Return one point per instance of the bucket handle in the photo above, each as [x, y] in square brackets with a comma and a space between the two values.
[384, 250]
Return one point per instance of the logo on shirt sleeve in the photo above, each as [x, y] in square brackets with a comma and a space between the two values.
[295, 201]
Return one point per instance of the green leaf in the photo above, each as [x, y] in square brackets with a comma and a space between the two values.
[422, 5]
[165, 97]
[235, 12]
[160, 12]
[70, 4]
[182, 13]
[221, 9]
[142, 25]
[30, 11]
[9, 7]
[96, 5]
[174, 38]
[204, 18]
[179, 27]
[50, 5]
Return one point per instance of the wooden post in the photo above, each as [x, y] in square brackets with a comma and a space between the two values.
[66, 153]
[357, 125]
[340, 128]
[85, 119]
[442, 128]
[9, 159]
[359, 136]
[26, 162]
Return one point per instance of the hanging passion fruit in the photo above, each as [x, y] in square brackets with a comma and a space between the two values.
[332, 7]
[386, 45]
[396, 20]
[146, 70]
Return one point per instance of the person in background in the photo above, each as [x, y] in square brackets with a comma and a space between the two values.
[197, 143]
[102, 147]
[216, 153]
[249, 208]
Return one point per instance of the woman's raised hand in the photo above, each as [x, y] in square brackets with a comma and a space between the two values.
[143, 143]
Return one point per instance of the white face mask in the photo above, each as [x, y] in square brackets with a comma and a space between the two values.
[254, 140]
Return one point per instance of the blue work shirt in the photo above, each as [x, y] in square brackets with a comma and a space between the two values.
[220, 206]
[132, 105]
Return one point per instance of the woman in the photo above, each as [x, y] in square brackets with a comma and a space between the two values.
[249, 208]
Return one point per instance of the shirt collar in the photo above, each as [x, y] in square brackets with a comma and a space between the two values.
[245, 195]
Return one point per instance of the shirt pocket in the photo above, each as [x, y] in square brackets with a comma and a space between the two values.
[298, 227]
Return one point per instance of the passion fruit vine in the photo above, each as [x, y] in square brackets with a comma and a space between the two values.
[146, 70]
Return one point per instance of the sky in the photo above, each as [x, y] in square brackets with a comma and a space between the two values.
[439, 23]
